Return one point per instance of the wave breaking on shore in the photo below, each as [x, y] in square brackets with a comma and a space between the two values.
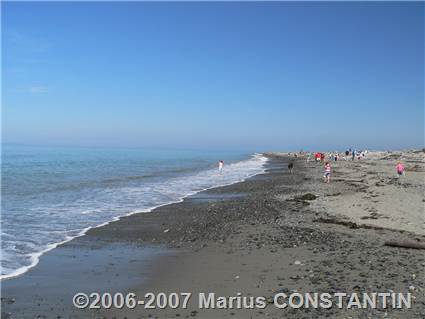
[147, 197]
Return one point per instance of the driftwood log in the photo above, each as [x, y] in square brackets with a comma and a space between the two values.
[349, 180]
[406, 244]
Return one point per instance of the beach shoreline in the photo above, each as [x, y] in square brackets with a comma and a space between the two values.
[255, 237]
[35, 256]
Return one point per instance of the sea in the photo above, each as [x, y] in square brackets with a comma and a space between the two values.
[53, 194]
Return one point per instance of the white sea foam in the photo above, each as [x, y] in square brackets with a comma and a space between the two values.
[74, 219]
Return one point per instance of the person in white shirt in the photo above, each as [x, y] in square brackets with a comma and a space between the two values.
[220, 165]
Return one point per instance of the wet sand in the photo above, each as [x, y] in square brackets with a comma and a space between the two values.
[257, 237]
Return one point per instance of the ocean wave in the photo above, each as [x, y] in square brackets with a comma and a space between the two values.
[74, 219]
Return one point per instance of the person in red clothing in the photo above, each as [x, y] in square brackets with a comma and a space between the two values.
[327, 175]
[400, 169]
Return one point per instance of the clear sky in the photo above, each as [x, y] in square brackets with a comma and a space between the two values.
[258, 76]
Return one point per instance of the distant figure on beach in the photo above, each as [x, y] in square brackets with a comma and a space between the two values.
[327, 175]
[290, 167]
[220, 165]
[353, 155]
[400, 169]
[322, 157]
[347, 153]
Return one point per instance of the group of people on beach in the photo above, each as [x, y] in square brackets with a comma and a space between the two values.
[335, 156]
[320, 157]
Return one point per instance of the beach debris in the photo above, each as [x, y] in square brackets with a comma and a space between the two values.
[336, 222]
[236, 277]
[334, 194]
[166, 230]
[308, 196]
[405, 244]
[349, 224]
[351, 180]
[373, 215]
[297, 262]
[7, 300]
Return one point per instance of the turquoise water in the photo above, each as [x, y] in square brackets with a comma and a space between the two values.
[51, 195]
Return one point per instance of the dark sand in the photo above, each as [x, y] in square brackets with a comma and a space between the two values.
[253, 237]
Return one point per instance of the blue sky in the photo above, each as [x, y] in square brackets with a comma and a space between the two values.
[256, 76]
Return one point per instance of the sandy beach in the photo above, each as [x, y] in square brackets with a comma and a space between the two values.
[185, 159]
[275, 232]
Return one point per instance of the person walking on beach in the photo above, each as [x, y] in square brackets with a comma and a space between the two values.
[400, 169]
[327, 175]
[220, 165]
[353, 155]
[290, 167]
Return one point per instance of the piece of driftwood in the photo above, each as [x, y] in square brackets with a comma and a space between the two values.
[345, 223]
[348, 180]
[406, 244]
